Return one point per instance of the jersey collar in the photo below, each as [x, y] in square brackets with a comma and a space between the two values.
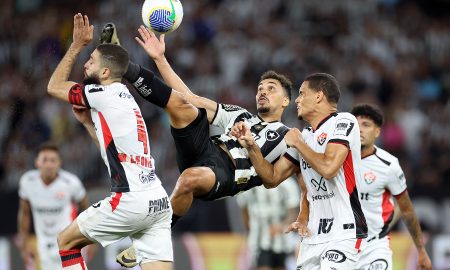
[324, 120]
[373, 153]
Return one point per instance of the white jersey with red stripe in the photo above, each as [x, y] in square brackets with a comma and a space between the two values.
[51, 205]
[122, 135]
[334, 209]
[382, 177]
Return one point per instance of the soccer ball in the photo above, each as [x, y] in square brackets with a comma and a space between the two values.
[162, 16]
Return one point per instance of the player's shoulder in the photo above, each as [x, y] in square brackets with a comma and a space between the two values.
[385, 157]
[345, 115]
[68, 177]
[30, 176]
[106, 89]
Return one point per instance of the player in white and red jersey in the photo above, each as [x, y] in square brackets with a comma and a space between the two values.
[138, 207]
[383, 181]
[328, 154]
[48, 195]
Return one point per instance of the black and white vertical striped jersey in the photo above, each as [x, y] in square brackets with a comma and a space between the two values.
[268, 135]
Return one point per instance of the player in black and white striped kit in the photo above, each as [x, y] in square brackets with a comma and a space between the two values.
[210, 169]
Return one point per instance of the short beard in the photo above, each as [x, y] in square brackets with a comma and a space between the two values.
[363, 146]
[92, 79]
[263, 110]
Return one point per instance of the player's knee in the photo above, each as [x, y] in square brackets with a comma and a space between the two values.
[189, 180]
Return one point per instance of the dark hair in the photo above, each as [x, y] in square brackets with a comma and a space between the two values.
[284, 81]
[115, 58]
[48, 146]
[327, 84]
[370, 111]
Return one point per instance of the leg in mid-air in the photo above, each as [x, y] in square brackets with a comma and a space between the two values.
[70, 242]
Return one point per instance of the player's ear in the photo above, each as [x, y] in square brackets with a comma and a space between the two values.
[286, 102]
[105, 73]
[377, 132]
[319, 96]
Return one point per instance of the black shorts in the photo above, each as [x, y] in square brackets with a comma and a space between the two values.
[271, 259]
[196, 149]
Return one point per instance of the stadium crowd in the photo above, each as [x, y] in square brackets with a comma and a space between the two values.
[390, 52]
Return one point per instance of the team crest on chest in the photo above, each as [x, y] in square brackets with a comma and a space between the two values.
[60, 195]
[322, 138]
[272, 135]
[369, 177]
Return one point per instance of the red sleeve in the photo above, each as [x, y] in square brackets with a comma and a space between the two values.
[77, 95]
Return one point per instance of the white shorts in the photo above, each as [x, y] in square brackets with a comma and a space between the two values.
[143, 216]
[338, 255]
[376, 255]
[49, 254]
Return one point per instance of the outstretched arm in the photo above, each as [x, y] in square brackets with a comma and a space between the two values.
[155, 48]
[412, 223]
[59, 86]
[271, 175]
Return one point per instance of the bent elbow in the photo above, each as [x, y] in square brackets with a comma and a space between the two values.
[50, 90]
[270, 185]
[330, 174]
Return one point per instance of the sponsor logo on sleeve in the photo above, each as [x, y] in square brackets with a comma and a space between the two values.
[231, 108]
[343, 127]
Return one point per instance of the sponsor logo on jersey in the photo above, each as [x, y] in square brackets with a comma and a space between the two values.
[142, 88]
[255, 136]
[231, 108]
[147, 177]
[322, 138]
[334, 255]
[378, 264]
[96, 89]
[158, 205]
[125, 95]
[319, 185]
[48, 210]
[322, 197]
[369, 177]
[97, 204]
[272, 135]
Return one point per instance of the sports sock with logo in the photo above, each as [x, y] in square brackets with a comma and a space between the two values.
[72, 260]
[148, 86]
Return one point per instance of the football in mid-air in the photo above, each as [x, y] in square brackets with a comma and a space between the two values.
[162, 16]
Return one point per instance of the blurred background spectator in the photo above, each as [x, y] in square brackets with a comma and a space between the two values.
[394, 53]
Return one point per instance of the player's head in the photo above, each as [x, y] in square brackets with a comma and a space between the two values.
[274, 93]
[107, 62]
[48, 161]
[318, 91]
[370, 120]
